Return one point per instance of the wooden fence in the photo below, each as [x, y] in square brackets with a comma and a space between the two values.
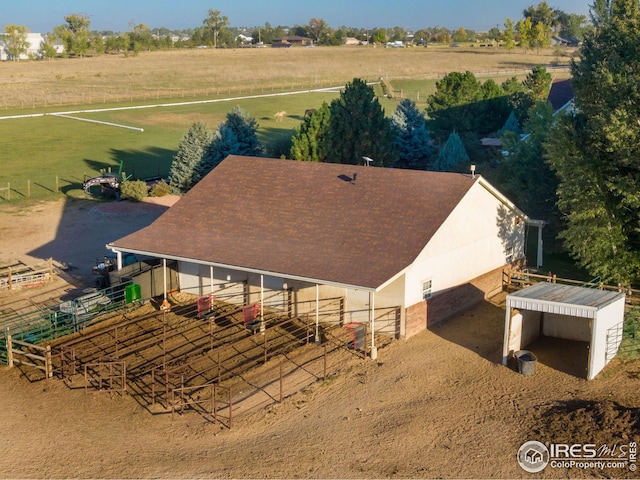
[14, 277]
[518, 279]
[36, 187]
[23, 355]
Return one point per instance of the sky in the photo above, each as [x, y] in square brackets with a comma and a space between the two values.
[42, 16]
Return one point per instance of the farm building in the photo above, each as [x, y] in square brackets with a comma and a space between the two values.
[291, 40]
[404, 249]
[34, 49]
[589, 316]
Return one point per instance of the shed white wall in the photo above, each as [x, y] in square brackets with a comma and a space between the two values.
[609, 319]
[472, 241]
[602, 328]
[567, 327]
[525, 328]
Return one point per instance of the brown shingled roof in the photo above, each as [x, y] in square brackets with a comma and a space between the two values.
[305, 220]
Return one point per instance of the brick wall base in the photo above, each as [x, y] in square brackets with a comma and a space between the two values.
[426, 314]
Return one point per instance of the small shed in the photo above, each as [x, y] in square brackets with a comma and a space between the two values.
[568, 312]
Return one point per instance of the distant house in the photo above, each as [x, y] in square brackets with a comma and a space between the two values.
[404, 249]
[352, 41]
[58, 46]
[242, 38]
[291, 40]
[564, 41]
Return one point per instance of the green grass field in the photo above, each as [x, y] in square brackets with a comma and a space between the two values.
[45, 157]
[45, 152]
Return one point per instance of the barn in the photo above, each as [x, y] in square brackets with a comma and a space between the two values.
[591, 317]
[403, 249]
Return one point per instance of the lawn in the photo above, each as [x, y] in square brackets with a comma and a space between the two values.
[46, 156]
[39, 153]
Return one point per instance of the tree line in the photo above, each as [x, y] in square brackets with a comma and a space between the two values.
[534, 30]
[580, 171]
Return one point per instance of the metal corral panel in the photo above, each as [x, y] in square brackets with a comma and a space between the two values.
[562, 299]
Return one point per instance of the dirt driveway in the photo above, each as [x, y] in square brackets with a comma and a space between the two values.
[73, 232]
[437, 405]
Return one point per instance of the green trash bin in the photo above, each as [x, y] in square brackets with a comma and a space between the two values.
[132, 293]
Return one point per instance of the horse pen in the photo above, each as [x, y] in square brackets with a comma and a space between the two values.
[206, 361]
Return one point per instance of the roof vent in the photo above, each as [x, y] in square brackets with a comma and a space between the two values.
[355, 175]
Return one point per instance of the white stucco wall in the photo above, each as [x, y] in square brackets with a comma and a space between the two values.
[229, 285]
[471, 242]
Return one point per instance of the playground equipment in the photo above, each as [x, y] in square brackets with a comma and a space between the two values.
[108, 183]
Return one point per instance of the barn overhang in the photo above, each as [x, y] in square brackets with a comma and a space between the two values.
[257, 271]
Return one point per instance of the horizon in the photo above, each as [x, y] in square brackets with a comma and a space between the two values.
[119, 15]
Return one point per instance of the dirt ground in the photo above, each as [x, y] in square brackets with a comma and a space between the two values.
[437, 405]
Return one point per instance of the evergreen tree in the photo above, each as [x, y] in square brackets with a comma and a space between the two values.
[595, 152]
[538, 83]
[182, 174]
[511, 125]
[527, 178]
[358, 128]
[524, 95]
[411, 136]
[308, 142]
[451, 155]
[235, 136]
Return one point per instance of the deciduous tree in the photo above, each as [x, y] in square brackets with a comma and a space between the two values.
[215, 24]
[15, 38]
[463, 104]
[595, 152]
[74, 34]
[317, 28]
[508, 35]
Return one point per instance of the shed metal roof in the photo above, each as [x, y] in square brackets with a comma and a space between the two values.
[562, 299]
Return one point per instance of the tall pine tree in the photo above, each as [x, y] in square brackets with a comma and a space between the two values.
[235, 136]
[451, 155]
[308, 142]
[183, 171]
[596, 152]
[358, 128]
[411, 137]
